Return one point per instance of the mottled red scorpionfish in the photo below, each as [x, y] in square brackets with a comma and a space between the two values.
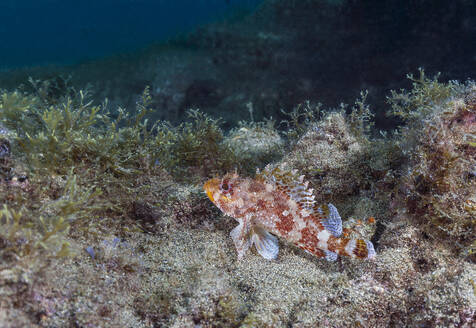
[278, 202]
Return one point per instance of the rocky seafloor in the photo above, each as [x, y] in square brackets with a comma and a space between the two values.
[108, 226]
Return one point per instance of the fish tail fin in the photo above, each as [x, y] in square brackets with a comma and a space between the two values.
[359, 248]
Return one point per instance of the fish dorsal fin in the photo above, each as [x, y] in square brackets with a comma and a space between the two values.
[330, 219]
[291, 183]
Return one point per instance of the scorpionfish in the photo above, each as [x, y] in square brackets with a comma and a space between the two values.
[279, 203]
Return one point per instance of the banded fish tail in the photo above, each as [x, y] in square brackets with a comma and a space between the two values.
[338, 245]
[358, 248]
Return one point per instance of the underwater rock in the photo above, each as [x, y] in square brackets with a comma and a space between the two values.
[10, 170]
[255, 144]
[438, 189]
[5, 147]
[331, 157]
[163, 257]
[202, 94]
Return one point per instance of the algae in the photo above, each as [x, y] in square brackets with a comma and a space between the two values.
[109, 226]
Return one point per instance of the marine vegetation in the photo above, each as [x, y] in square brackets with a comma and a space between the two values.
[66, 162]
[24, 237]
[334, 152]
[104, 220]
[197, 146]
[439, 140]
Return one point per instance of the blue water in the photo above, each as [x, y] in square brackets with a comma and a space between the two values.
[64, 32]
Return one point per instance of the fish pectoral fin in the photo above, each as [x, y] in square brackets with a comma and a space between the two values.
[266, 244]
[241, 239]
[332, 222]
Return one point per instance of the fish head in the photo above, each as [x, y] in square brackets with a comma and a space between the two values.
[223, 191]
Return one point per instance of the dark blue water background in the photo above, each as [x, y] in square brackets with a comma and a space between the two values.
[64, 32]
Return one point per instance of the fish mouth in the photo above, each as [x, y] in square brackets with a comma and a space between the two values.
[210, 187]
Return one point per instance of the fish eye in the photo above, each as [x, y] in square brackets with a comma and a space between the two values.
[225, 186]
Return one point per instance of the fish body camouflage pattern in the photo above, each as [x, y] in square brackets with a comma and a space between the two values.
[278, 202]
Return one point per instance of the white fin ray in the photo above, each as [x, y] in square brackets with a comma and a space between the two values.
[241, 239]
[266, 244]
